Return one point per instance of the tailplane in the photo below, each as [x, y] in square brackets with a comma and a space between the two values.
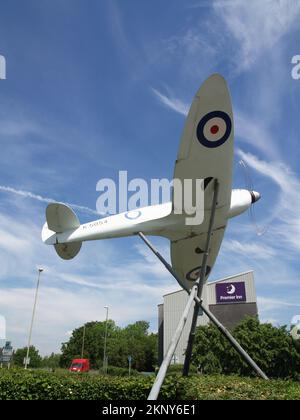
[59, 219]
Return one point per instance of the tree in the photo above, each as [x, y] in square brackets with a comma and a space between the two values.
[20, 354]
[51, 361]
[273, 349]
[141, 345]
[133, 340]
[93, 343]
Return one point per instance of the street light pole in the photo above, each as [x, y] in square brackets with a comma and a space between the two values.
[83, 338]
[105, 340]
[32, 318]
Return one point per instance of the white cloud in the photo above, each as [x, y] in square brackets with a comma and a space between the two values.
[272, 321]
[247, 128]
[269, 304]
[234, 31]
[252, 130]
[285, 228]
[12, 244]
[280, 173]
[28, 194]
[257, 26]
[60, 310]
[18, 128]
[250, 249]
[175, 104]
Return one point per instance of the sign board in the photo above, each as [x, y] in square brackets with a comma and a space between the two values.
[7, 350]
[6, 353]
[5, 359]
[230, 292]
[28, 361]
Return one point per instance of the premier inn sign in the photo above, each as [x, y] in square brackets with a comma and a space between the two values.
[230, 292]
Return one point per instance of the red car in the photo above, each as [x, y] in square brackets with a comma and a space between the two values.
[80, 365]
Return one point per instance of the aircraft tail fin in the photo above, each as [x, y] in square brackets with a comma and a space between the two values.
[60, 218]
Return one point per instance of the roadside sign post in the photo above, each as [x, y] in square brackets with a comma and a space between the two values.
[129, 364]
[6, 355]
[26, 361]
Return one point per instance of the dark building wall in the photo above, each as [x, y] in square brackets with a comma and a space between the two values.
[160, 333]
[231, 314]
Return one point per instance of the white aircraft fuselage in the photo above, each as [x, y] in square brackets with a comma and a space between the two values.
[152, 220]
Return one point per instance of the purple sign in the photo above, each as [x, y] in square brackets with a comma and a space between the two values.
[230, 292]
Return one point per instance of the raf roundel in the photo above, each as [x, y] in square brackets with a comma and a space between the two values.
[214, 129]
[194, 274]
[133, 214]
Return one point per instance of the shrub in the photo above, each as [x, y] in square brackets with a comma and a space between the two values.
[273, 349]
[41, 385]
[118, 371]
[18, 384]
[218, 387]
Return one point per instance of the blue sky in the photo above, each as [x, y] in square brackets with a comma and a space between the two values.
[101, 86]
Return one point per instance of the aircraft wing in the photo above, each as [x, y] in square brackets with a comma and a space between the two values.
[206, 152]
[187, 254]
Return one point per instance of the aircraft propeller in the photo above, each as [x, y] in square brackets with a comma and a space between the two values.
[256, 196]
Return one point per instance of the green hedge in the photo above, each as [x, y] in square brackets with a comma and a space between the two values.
[17, 384]
[223, 387]
[40, 385]
[118, 371]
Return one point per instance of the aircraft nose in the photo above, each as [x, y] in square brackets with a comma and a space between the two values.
[255, 196]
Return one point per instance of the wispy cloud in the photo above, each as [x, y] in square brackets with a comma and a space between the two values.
[60, 310]
[286, 212]
[18, 128]
[257, 25]
[252, 131]
[251, 250]
[173, 103]
[247, 129]
[208, 3]
[28, 194]
[269, 304]
[280, 173]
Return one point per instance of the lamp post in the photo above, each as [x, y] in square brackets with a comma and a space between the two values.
[105, 340]
[83, 338]
[33, 313]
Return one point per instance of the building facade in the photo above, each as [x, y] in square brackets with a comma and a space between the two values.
[229, 299]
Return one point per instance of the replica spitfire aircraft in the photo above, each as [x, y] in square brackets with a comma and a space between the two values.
[206, 152]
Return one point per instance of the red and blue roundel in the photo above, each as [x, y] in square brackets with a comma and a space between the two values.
[214, 129]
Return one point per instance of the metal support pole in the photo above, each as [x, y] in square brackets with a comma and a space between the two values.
[223, 330]
[172, 347]
[105, 341]
[189, 349]
[208, 240]
[83, 338]
[32, 318]
[162, 260]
